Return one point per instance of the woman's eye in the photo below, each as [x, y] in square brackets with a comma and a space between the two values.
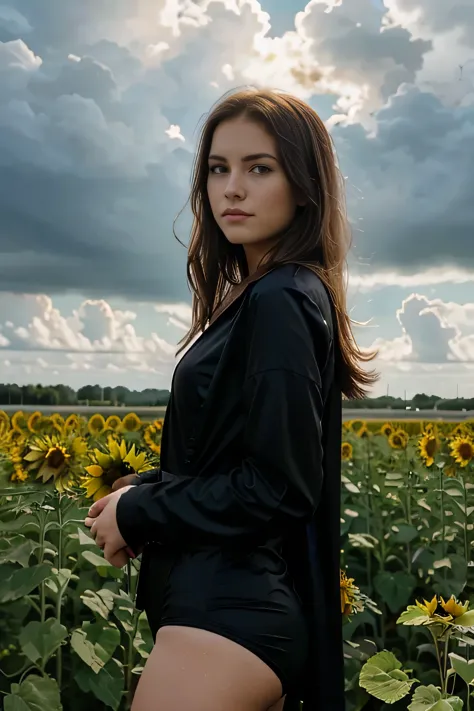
[258, 169]
[265, 168]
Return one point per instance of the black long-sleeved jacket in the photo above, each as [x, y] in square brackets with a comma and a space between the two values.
[252, 436]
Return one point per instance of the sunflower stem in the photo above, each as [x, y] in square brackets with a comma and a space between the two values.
[42, 588]
[443, 539]
[59, 653]
[445, 677]
[466, 535]
[409, 516]
[438, 657]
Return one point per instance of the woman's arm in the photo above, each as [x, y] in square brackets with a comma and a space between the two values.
[279, 477]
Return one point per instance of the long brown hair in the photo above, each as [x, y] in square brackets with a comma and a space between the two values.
[319, 234]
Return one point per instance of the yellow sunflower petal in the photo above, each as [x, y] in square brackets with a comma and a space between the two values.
[33, 456]
[123, 449]
[103, 491]
[92, 486]
[95, 470]
[104, 460]
[114, 449]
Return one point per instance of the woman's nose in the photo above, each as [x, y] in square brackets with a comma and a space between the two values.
[234, 187]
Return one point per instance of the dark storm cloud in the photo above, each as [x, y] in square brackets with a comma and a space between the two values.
[442, 15]
[90, 183]
[415, 177]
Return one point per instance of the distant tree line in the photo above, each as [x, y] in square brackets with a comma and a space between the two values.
[13, 394]
[420, 401]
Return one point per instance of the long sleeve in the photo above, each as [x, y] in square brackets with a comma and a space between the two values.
[150, 476]
[279, 476]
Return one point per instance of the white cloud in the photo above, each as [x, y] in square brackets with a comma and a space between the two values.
[434, 332]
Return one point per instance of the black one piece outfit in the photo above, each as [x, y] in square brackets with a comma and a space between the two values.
[241, 523]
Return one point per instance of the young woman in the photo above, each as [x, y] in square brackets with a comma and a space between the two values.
[240, 526]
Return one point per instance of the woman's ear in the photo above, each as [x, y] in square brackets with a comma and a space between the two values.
[301, 200]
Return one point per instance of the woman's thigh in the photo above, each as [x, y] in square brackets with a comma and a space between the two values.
[195, 670]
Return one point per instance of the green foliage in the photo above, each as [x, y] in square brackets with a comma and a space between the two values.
[68, 630]
[70, 636]
[382, 677]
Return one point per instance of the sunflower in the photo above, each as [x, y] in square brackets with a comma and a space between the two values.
[131, 422]
[459, 431]
[96, 425]
[387, 429]
[152, 437]
[350, 601]
[57, 422]
[453, 607]
[346, 451]
[16, 459]
[398, 439]
[429, 608]
[428, 446]
[71, 422]
[4, 421]
[19, 422]
[56, 457]
[462, 450]
[110, 466]
[450, 471]
[158, 424]
[34, 421]
[113, 422]
[363, 431]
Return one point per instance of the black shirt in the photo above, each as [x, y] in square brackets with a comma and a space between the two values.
[252, 434]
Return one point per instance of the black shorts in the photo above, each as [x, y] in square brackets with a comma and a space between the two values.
[246, 597]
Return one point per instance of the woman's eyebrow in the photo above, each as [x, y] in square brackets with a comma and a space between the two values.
[245, 159]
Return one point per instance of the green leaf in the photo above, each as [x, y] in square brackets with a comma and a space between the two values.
[452, 580]
[143, 640]
[103, 567]
[22, 582]
[39, 640]
[466, 620]
[100, 602]
[413, 616]
[107, 685]
[381, 676]
[405, 533]
[86, 651]
[362, 540]
[428, 698]
[35, 693]
[104, 636]
[462, 667]
[17, 550]
[395, 588]
[84, 539]
[22, 523]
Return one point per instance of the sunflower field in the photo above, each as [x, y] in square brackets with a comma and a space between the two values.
[70, 634]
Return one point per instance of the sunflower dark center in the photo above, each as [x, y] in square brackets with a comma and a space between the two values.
[465, 450]
[111, 475]
[56, 458]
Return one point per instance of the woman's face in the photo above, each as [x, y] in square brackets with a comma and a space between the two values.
[245, 175]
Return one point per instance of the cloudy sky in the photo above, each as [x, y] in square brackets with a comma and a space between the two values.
[100, 103]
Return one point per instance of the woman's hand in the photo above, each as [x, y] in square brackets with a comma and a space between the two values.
[102, 521]
[126, 480]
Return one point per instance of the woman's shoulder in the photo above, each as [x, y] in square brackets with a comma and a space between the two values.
[291, 282]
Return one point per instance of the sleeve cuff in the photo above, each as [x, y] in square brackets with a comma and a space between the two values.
[151, 476]
[127, 519]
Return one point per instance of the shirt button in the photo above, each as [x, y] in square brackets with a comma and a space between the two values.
[187, 461]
